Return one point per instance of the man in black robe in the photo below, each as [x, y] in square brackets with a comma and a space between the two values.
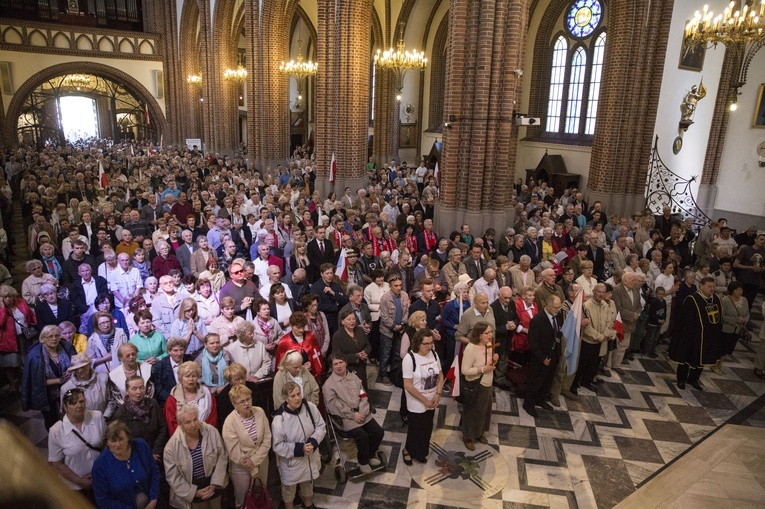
[698, 334]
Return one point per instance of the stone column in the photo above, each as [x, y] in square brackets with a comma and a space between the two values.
[487, 39]
[342, 90]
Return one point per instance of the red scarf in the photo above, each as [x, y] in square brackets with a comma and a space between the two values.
[411, 243]
[430, 240]
[379, 245]
[369, 234]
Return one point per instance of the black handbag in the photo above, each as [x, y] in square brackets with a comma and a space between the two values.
[30, 333]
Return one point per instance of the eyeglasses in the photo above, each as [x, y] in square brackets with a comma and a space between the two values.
[426, 344]
[236, 272]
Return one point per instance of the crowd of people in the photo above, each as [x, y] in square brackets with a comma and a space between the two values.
[182, 321]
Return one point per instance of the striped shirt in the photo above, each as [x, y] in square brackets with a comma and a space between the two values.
[197, 462]
[250, 426]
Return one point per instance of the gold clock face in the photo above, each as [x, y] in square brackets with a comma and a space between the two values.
[761, 149]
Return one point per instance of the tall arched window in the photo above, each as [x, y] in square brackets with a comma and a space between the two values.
[575, 71]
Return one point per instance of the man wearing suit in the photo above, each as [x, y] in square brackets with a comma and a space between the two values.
[475, 265]
[506, 321]
[544, 340]
[619, 254]
[319, 251]
[84, 290]
[164, 374]
[626, 296]
[532, 247]
[184, 252]
[597, 256]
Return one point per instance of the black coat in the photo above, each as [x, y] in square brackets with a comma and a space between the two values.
[45, 316]
[164, 380]
[598, 262]
[542, 337]
[77, 293]
[501, 317]
[71, 266]
[317, 259]
[154, 433]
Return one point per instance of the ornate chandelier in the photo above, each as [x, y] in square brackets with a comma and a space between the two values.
[399, 61]
[238, 75]
[741, 30]
[78, 81]
[300, 69]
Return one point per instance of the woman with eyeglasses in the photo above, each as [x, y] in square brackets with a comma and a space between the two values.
[125, 474]
[30, 287]
[45, 370]
[74, 442]
[105, 303]
[104, 343]
[423, 381]
[478, 362]
[248, 439]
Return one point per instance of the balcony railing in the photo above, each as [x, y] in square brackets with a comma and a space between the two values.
[115, 14]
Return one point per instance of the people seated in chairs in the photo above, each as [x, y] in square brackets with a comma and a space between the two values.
[345, 399]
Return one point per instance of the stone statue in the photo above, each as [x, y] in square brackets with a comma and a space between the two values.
[688, 107]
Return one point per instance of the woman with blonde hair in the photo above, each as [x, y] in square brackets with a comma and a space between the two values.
[248, 440]
[190, 327]
[190, 392]
[292, 369]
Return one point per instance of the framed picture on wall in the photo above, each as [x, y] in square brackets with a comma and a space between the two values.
[692, 58]
[759, 110]
[407, 135]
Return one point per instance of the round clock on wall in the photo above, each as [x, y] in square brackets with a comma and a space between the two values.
[761, 149]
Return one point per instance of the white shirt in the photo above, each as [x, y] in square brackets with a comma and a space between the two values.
[261, 269]
[90, 291]
[490, 290]
[124, 281]
[64, 445]
[424, 379]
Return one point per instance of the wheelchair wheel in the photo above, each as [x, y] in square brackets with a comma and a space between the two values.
[340, 475]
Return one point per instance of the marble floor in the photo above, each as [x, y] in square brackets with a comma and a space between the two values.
[592, 453]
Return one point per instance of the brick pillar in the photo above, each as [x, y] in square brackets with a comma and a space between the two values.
[487, 37]
[629, 95]
[342, 90]
[386, 123]
[161, 18]
[267, 46]
[224, 101]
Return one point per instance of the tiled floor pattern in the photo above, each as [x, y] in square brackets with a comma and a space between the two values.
[592, 453]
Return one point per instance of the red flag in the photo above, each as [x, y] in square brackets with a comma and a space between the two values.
[619, 327]
[332, 169]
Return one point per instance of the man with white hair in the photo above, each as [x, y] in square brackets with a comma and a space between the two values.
[521, 275]
[125, 281]
[488, 285]
[273, 273]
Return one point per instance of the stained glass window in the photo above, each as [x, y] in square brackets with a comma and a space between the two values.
[576, 90]
[557, 83]
[583, 17]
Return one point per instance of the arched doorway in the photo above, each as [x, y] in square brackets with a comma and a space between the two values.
[124, 108]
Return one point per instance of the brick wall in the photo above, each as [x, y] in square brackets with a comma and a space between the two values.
[486, 39]
[342, 86]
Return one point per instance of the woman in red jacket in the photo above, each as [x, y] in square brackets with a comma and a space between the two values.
[14, 313]
[302, 341]
[526, 309]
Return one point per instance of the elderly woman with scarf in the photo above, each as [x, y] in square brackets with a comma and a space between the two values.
[30, 287]
[45, 370]
[95, 385]
[267, 329]
[141, 263]
[292, 368]
[190, 392]
[213, 361]
[143, 415]
[104, 343]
